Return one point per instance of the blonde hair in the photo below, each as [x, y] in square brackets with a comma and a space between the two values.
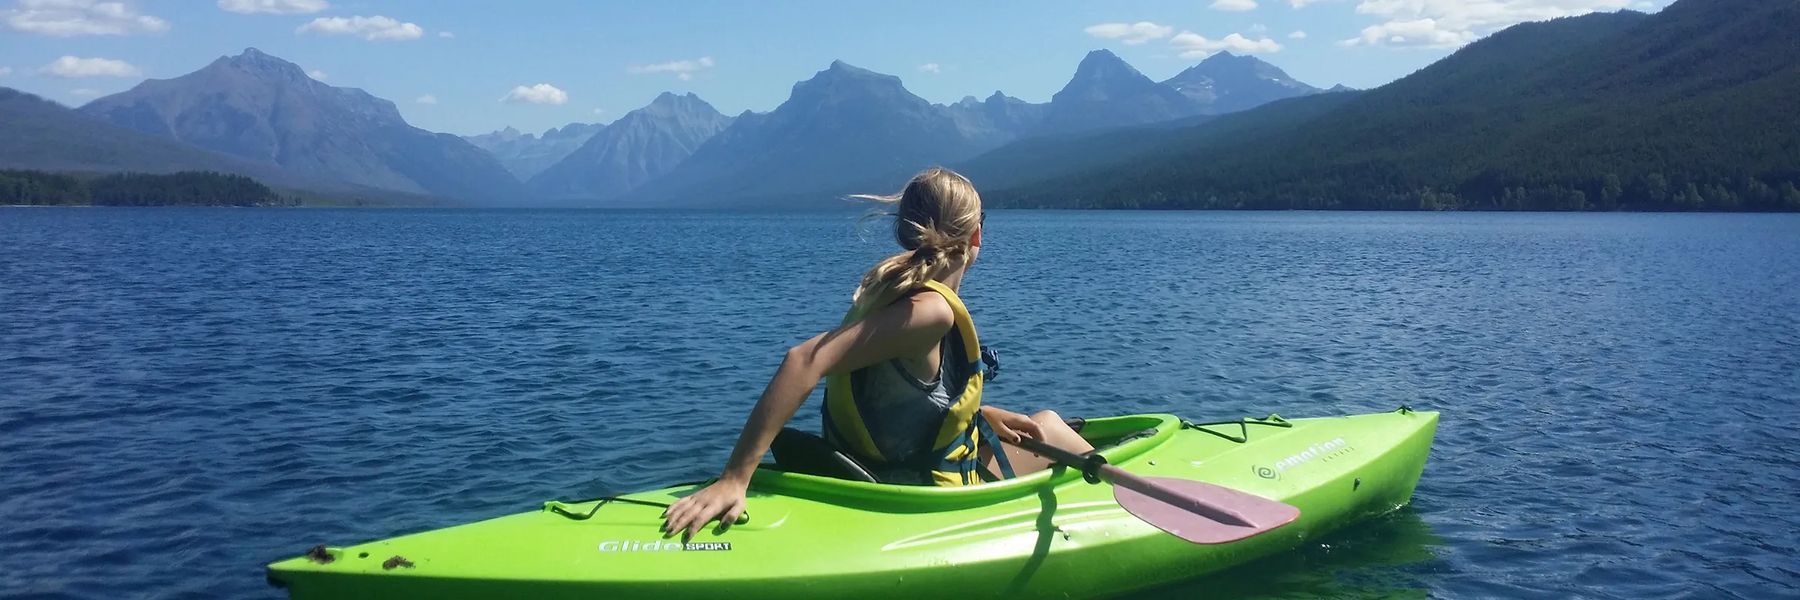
[935, 218]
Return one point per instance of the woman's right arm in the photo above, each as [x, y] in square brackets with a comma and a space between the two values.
[908, 327]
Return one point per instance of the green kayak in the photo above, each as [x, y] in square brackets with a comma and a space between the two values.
[1048, 534]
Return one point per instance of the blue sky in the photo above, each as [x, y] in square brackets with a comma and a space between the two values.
[469, 67]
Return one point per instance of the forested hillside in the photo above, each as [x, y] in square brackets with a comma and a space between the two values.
[1688, 109]
[137, 189]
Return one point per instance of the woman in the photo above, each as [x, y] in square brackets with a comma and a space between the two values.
[904, 395]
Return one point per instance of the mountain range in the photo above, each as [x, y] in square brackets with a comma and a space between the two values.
[1688, 108]
[1107, 92]
[265, 110]
[845, 129]
[641, 146]
[39, 134]
[1224, 83]
[526, 154]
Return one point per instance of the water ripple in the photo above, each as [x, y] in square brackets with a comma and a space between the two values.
[186, 395]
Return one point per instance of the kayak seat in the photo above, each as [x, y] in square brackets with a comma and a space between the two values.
[1108, 443]
[797, 451]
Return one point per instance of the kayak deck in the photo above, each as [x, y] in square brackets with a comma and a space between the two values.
[1045, 534]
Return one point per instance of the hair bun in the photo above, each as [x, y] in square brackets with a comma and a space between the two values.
[928, 254]
[935, 217]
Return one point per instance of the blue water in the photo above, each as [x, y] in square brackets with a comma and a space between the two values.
[188, 394]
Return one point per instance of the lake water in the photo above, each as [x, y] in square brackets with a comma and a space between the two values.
[188, 394]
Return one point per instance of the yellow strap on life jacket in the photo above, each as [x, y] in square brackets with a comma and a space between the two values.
[955, 450]
[962, 413]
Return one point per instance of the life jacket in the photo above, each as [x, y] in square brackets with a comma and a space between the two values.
[954, 457]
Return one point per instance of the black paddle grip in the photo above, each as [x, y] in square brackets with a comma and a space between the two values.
[1089, 464]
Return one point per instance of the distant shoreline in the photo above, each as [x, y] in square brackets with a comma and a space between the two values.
[834, 209]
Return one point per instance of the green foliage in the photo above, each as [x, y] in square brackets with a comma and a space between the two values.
[1690, 109]
[37, 187]
[138, 189]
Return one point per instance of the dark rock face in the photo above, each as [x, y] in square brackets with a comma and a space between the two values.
[1226, 83]
[643, 145]
[845, 129]
[525, 155]
[264, 109]
[1106, 92]
[38, 134]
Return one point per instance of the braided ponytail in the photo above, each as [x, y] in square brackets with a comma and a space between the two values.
[935, 217]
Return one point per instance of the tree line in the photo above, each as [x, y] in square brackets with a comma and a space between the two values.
[1653, 192]
[188, 188]
[1691, 109]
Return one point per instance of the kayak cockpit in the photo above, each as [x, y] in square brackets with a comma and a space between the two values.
[1121, 439]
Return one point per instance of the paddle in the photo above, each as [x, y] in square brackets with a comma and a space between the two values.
[1195, 511]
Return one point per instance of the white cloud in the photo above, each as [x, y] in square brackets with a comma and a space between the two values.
[1454, 23]
[932, 68]
[1303, 3]
[1234, 5]
[1417, 32]
[542, 93]
[71, 67]
[1258, 28]
[375, 29]
[683, 69]
[446, 34]
[4, 71]
[1297, 35]
[274, 7]
[84, 92]
[1193, 45]
[599, 111]
[426, 99]
[66, 18]
[318, 74]
[1130, 33]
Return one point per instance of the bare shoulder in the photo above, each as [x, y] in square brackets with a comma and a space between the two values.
[922, 313]
[931, 310]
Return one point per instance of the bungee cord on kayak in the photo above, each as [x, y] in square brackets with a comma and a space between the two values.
[561, 507]
[1243, 424]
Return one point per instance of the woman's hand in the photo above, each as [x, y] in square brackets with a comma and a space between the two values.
[1010, 425]
[722, 501]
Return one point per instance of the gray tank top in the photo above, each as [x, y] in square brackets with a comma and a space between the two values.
[902, 413]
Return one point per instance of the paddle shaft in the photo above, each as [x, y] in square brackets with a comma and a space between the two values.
[1098, 469]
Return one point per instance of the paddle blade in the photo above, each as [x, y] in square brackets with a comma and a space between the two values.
[1176, 512]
